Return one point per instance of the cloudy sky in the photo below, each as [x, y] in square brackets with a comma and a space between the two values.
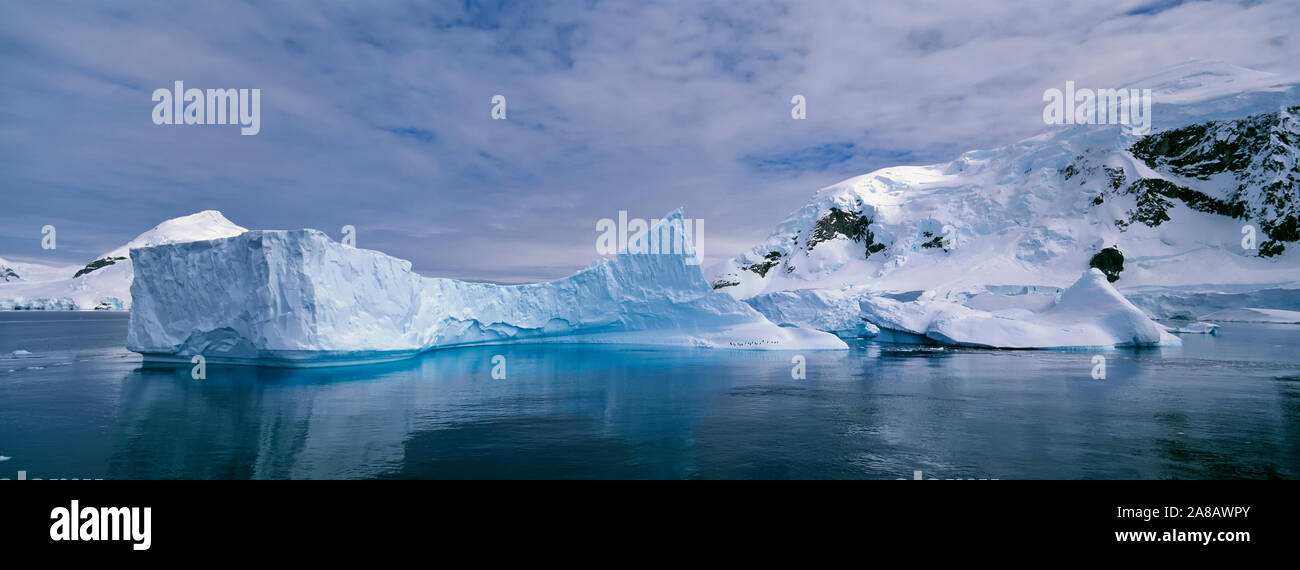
[377, 114]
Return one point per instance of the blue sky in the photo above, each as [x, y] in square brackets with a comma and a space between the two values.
[377, 115]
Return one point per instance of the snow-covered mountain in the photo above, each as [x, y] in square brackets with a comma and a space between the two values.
[1168, 209]
[105, 283]
[7, 273]
[298, 298]
[13, 270]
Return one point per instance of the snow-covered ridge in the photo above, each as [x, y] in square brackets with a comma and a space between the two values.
[105, 282]
[1170, 206]
[297, 298]
[1203, 90]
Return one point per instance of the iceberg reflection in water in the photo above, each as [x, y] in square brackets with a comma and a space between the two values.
[1220, 406]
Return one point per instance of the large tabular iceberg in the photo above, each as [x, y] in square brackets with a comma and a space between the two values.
[297, 298]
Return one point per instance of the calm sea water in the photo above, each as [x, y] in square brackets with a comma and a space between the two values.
[1224, 406]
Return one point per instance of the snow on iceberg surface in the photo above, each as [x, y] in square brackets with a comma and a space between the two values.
[1089, 314]
[297, 298]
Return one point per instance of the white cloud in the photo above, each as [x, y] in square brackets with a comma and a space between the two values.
[613, 106]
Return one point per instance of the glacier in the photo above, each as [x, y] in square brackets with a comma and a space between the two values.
[1254, 315]
[296, 298]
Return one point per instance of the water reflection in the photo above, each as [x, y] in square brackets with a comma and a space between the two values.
[568, 411]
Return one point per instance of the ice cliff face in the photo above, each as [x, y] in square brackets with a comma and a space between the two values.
[105, 283]
[297, 298]
[836, 312]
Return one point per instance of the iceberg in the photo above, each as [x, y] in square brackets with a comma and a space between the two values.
[1195, 328]
[1088, 314]
[299, 299]
[835, 312]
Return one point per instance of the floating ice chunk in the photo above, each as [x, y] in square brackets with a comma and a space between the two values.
[1195, 328]
[1089, 314]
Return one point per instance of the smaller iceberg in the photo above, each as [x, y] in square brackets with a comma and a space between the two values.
[1089, 314]
[1196, 328]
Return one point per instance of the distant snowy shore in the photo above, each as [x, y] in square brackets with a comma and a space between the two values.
[105, 282]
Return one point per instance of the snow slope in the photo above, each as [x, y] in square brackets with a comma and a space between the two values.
[297, 298]
[105, 283]
[32, 271]
[1171, 205]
